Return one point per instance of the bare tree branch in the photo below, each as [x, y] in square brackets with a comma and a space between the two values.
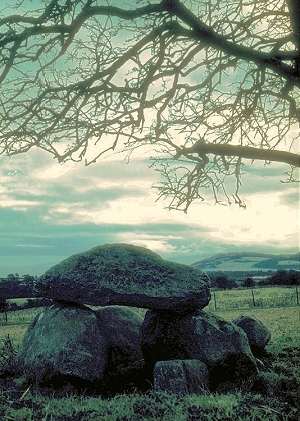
[246, 152]
[207, 84]
[200, 31]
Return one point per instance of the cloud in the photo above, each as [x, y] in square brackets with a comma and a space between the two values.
[160, 244]
[291, 198]
[259, 177]
[38, 182]
[49, 211]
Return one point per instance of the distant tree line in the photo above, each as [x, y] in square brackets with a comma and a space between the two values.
[6, 306]
[17, 277]
[29, 303]
[281, 277]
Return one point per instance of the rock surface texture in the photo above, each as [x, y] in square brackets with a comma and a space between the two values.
[120, 326]
[67, 341]
[258, 334]
[221, 345]
[124, 274]
[64, 341]
[180, 377]
[182, 348]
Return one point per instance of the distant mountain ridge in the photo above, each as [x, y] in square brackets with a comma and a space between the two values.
[249, 261]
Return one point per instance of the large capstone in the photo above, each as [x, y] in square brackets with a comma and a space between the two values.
[64, 342]
[221, 345]
[128, 275]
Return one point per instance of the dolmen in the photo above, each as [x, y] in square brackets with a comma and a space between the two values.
[96, 332]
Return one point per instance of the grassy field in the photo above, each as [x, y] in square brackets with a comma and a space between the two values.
[249, 298]
[240, 405]
[283, 322]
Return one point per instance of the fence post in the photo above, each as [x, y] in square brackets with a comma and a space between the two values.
[253, 298]
[215, 300]
[297, 296]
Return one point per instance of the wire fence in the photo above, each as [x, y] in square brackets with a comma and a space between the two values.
[254, 298]
[234, 299]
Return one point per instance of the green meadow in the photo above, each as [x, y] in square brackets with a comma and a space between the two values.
[284, 323]
[247, 298]
[18, 402]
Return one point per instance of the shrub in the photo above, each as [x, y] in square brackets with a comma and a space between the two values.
[248, 282]
[284, 277]
[8, 357]
[224, 282]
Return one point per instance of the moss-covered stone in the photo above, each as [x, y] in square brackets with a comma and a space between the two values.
[124, 274]
[258, 334]
[221, 345]
[181, 377]
[63, 342]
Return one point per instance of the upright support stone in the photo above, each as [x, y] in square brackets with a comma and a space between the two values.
[64, 341]
[221, 345]
[257, 333]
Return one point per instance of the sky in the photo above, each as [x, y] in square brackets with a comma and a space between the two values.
[49, 211]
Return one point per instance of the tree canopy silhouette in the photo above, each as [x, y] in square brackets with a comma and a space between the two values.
[207, 84]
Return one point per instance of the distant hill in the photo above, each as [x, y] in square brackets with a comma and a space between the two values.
[252, 262]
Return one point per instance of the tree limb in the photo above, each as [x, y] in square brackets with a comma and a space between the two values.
[246, 152]
[78, 80]
[202, 32]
